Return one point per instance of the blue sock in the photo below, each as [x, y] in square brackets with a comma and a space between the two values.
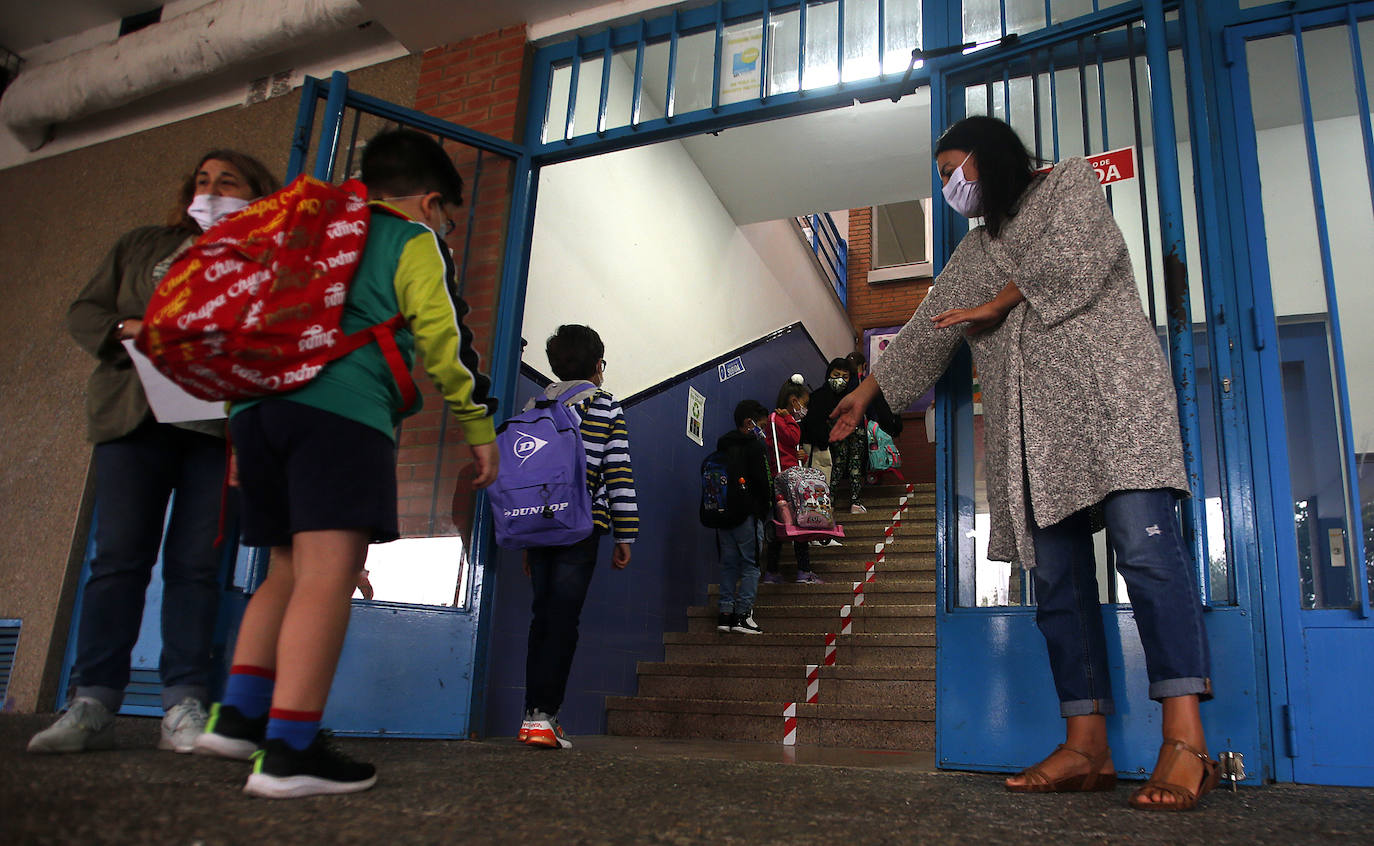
[296, 729]
[249, 689]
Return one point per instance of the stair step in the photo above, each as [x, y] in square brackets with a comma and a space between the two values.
[901, 543]
[889, 650]
[918, 590]
[867, 619]
[889, 686]
[862, 727]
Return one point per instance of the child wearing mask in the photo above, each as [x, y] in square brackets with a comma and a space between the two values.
[849, 457]
[782, 434]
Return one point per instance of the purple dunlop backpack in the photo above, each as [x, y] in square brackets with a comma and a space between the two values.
[540, 497]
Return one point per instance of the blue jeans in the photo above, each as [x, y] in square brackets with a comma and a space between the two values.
[134, 477]
[560, 576]
[1143, 530]
[739, 564]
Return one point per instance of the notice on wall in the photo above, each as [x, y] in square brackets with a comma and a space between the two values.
[170, 404]
[730, 369]
[741, 66]
[1111, 166]
[696, 414]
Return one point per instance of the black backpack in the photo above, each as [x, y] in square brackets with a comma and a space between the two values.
[725, 499]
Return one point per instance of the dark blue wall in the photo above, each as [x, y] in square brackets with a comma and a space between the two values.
[674, 559]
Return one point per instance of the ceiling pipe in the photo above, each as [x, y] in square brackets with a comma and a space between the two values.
[204, 41]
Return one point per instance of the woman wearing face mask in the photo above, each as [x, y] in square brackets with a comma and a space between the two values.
[783, 444]
[139, 463]
[849, 455]
[1080, 422]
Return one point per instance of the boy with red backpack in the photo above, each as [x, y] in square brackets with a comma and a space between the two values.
[317, 475]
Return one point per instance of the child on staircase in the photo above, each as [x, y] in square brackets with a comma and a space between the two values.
[782, 434]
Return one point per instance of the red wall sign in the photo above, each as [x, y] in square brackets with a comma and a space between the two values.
[1111, 166]
[1114, 165]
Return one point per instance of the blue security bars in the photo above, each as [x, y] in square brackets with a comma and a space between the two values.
[1085, 97]
[706, 59]
[832, 251]
[988, 19]
[1315, 154]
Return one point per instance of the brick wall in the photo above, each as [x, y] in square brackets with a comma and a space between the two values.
[477, 83]
[883, 305]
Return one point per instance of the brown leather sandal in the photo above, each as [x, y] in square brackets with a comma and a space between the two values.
[1094, 780]
[1186, 799]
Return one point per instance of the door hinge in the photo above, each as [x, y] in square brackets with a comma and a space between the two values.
[1290, 732]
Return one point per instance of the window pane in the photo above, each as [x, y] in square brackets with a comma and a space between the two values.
[900, 232]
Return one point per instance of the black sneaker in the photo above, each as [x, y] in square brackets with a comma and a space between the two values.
[744, 624]
[724, 621]
[280, 772]
[229, 734]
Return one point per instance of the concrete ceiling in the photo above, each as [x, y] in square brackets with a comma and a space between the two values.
[870, 153]
[25, 24]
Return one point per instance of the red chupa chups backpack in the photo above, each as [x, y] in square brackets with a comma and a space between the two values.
[252, 308]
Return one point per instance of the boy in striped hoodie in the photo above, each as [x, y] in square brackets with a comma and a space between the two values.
[560, 575]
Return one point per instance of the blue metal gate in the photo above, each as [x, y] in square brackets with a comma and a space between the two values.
[1300, 111]
[1083, 89]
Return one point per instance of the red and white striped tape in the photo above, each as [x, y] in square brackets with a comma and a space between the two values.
[813, 671]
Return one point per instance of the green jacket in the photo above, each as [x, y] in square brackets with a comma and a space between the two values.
[120, 290]
[404, 268]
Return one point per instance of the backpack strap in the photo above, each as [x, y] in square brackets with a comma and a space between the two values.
[384, 334]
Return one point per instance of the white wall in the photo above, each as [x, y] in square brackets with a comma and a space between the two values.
[636, 245]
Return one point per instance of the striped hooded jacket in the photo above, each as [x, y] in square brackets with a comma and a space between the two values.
[610, 477]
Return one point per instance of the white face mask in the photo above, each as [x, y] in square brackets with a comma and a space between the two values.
[963, 196]
[209, 209]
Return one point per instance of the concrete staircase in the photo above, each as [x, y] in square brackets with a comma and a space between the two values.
[878, 694]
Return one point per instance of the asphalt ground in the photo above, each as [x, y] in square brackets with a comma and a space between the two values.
[611, 790]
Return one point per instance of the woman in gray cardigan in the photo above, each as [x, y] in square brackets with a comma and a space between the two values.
[1080, 416]
[139, 462]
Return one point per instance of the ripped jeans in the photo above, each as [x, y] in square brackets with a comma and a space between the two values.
[1144, 532]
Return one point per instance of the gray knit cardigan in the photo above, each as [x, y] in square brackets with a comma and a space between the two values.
[1078, 400]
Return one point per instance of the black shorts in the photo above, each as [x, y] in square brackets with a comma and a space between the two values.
[303, 469]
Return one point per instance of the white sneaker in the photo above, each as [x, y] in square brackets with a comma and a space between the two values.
[182, 725]
[856, 508]
[545, 731]
[744, 624]
[86, 724]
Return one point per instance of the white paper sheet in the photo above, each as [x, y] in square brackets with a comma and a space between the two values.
[169, 402]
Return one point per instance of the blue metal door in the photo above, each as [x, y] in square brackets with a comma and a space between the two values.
[1299, 90]
[413, 662]
[1087, 88]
